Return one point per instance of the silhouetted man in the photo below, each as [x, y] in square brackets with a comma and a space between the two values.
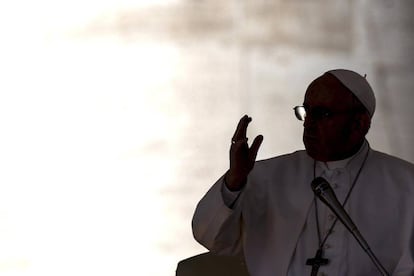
[267, 212]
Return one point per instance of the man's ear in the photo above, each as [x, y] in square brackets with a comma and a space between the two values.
[363, 123]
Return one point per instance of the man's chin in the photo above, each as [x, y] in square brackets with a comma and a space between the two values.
[316, 154]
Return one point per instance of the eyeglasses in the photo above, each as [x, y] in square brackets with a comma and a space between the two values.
[317, 113]
[300, 112]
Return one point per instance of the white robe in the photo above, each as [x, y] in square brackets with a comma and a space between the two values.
[268, 220]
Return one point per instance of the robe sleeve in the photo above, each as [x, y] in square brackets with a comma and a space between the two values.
[216, 226]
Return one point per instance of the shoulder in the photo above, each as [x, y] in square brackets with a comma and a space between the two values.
[391, 174]
[286, 176]
[293, 156]
[384, 160]
[289, 161]
[390, 168]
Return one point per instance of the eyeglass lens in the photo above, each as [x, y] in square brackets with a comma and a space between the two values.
[300, 112]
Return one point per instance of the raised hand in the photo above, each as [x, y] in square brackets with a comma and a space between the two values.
[242, 157]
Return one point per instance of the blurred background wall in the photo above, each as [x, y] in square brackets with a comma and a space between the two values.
[116, 116]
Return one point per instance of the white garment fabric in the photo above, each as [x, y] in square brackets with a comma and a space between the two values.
[273, 225]
[341, 177]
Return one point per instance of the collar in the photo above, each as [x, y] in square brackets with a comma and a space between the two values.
[351, 164]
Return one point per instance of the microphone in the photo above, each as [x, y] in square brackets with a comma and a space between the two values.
[325, 193]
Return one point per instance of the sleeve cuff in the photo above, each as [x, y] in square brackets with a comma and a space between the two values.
[229, 197]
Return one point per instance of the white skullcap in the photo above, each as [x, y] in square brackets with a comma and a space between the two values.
[358, 85]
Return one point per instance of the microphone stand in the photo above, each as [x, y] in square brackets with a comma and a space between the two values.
[363, 243]
[324, 192]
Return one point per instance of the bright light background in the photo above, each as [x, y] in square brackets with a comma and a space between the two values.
[113, 123]
[78, 194]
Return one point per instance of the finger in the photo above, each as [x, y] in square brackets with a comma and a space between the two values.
[255, 148]
[238, 133]
[239, 153]
[239, 143]
[241, 129]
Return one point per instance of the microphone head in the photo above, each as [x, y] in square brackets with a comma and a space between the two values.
[319, 185]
